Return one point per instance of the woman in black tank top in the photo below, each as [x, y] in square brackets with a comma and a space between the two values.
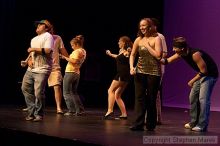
[121, 79]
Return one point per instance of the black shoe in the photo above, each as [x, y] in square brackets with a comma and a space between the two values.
[60, 112]
[150, 129]
[109, 116]
[159, 123]
[136, 128]
[83, 113]
[121, 118]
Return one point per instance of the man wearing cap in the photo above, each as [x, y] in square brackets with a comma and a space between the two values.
[36, 76]
[201, 84]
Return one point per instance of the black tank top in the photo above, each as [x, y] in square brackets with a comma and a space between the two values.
[210, 63]
[123, 64]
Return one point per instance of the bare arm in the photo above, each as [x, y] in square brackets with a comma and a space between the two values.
[108, 52]
[71, 60]
[75, 60]
[64, 52]
[27, 61]
[133, 55]
[202, 68]
[164, 46]
[171, 59]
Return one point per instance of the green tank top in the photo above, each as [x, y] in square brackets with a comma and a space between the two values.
[147, 64]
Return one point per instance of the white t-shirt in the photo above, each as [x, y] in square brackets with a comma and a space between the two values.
[41, 63]
[164, 49]
[58, 44]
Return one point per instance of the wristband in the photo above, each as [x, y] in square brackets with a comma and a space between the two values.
[201, 74]
[164, 61]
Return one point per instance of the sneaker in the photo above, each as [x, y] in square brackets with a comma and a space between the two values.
[68, 114]
[25, 109]
[38, 119]
[29, 118]
[187, 126]
[197, 129]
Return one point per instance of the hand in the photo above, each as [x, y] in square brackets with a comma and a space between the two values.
[129, 49]
[162, 61]
[147, 45]
[30, 50]
[190, 83]
[132, 71]
[62, 56]
[23, 63]
[30, 63]
[108, 52]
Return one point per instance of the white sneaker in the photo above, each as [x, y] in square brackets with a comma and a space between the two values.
[187, 126]
[197, 129]
[25, 109]
[68, 114]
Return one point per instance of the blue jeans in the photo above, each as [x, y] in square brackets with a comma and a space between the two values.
[70, 85]
[200, 101]
[33, 89]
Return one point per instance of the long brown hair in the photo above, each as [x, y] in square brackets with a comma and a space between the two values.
[151, 31]
[127, 41]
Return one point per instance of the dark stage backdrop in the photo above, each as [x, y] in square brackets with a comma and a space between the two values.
[198, 21]
[101, 22]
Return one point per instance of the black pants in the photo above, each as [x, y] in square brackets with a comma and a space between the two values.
[146, 88]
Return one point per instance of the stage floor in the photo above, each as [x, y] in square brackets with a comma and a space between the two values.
[93, 130]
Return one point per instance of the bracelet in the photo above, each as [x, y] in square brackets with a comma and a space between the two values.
[43, 51]
[164, 61]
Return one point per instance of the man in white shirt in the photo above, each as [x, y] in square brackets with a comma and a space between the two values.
[39, 68]
[159, 94]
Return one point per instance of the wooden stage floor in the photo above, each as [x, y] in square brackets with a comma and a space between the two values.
[91, 129]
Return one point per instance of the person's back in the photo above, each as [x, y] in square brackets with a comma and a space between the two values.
[159, 94]
[212, 69]
[55, 79]
[164, 54]
[58, 43]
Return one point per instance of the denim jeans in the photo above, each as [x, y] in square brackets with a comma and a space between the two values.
[70, 85]
[200, 101]
[33, 89]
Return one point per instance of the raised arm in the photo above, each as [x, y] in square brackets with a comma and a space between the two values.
[108, 52]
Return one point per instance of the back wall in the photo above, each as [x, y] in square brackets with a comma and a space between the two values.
[198, 21]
